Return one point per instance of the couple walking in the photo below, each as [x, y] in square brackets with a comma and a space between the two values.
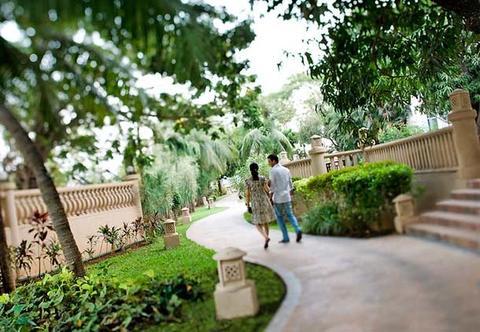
[260, 195]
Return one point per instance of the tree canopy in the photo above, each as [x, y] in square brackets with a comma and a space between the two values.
[61, 86]
[378, 54]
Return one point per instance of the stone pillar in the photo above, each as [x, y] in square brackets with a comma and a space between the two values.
[138, 197]
[465, 136]
[317, 155]
[283, 158]
[170, 238]
[405, 210]
[186, 217]
[235, 296]
[7, 191]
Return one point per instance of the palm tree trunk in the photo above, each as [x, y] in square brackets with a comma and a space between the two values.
[6, 271]
[47, 188]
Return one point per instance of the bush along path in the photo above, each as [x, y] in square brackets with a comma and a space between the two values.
[149, 288]
[386, 283]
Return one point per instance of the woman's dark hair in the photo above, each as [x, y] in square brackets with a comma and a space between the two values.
[254, 171]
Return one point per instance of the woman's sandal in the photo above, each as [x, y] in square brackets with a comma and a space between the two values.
[266, 243]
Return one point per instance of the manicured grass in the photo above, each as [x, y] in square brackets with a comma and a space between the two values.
[195, 261]
[273, 225]
[205, 212]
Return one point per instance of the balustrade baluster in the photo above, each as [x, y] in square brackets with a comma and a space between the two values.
[438, 151]
[411, 154]
[76, 209]
[452, 150]
[123, 196]
[431, 146]
[21, 209]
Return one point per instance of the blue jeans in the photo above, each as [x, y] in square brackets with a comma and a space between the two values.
[282, 209]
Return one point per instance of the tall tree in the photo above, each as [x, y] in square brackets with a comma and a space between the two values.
[172, 37]
[468, 9]
[47, 188]
[378, 54]
[6, 274]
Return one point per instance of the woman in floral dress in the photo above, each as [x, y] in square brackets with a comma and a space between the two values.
[258, 202]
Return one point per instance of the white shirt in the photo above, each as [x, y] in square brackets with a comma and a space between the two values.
[280, 184]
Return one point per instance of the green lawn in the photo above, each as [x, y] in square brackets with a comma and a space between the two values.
[195, 261]
[205, 212]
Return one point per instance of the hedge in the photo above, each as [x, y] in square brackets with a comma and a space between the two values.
[353, 200]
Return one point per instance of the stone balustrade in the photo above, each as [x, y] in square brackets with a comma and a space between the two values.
[87, 207]
[340, 160]
[78, 201]
[432, 151]
[424, 152]
[300, 168]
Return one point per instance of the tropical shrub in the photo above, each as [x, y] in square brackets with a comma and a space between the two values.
[323, 219]
[94, 303]
[393, 133]
[157, 193]
[354, 200]
[169, 185]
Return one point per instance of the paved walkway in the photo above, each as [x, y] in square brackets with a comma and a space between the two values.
[386, 284]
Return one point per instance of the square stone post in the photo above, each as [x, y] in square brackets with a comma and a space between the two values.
[465, 136]
[317, 154]
[405, 210]
[186, 217]
[170, 238]
[7, 192]
[235, 296]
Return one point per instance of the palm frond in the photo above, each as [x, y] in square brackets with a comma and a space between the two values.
[253, 143]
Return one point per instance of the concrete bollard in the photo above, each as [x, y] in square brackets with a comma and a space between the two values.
[235, 296]
[186, 217]
[405, 210]
[170, 238]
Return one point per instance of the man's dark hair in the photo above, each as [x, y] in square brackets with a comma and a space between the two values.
[273, 157]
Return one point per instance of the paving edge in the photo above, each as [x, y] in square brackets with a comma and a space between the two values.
[293, 291]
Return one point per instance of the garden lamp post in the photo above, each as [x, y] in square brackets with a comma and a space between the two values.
[235, 296]
[170, 238]
[186, 217]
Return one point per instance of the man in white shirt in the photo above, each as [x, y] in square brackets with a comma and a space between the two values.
[281, 189]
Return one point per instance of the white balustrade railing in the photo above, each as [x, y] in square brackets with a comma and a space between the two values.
[78, 200]
[339, 160]
[300, 168]
[424, 152]
[432, 151]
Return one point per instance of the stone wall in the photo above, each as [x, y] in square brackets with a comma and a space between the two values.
[87, 208]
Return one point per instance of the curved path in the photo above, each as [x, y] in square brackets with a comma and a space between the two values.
[386, 284]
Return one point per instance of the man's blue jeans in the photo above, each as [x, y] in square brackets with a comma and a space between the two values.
[282, 210]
